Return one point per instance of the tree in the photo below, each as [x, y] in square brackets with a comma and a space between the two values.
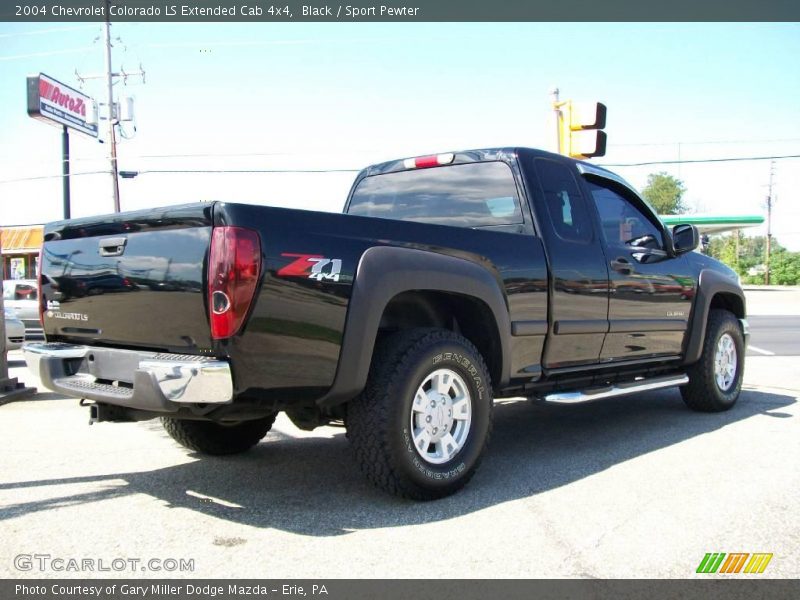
[665, 193]
[785, 268]
[723, 248]
[784, 265]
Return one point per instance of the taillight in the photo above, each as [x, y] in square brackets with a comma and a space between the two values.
[234, 265]
[423, 162]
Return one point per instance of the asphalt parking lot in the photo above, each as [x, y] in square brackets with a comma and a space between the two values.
[626, 487]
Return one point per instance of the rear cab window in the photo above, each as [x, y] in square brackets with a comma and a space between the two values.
[565, 205]
[473, 195]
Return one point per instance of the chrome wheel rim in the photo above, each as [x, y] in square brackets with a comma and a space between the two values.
[441, 415]
[725, 362]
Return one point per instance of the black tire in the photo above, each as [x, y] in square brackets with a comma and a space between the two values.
[381, 425]
[208, 437]
[703, 392]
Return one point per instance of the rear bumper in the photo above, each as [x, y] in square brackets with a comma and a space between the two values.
[142, 380]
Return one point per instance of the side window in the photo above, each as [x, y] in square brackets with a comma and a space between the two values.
[565, 204]
[622, 222]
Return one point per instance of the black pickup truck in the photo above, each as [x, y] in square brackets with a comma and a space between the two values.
[451, 280]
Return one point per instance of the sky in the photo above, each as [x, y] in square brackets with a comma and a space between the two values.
[340, 96]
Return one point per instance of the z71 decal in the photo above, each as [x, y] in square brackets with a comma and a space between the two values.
[312, 266]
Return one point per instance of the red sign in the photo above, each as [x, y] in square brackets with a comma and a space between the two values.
[58, 104]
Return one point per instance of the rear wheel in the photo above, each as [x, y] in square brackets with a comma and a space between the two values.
[715, 380]
[422, 423]
[208, 437]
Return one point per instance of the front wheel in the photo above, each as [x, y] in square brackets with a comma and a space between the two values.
[420, 426]
[715, 380]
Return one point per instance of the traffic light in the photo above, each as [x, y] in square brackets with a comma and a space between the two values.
[580, 127]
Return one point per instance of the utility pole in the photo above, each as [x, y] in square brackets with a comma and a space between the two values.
[114, 115]
[557, 112]
[738, 233]
[65, 171]
[112, 141]
[769, 220]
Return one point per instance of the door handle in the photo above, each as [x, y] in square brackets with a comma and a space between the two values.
[113, 246]
[622, 265]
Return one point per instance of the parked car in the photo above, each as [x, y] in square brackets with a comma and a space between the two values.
[449, 281]
[15, 329]
[22, 296]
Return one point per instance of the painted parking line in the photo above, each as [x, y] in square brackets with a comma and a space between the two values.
[761, 351]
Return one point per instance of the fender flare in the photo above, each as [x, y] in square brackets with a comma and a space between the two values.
[386, 271]
[710, 283]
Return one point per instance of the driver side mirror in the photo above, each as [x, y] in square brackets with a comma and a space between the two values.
[685, 238]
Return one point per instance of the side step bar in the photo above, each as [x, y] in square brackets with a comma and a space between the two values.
[642, 385]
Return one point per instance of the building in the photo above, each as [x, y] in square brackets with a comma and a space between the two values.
[20, 249]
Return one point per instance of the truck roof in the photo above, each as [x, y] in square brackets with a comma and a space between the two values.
[475, 155]
[505, 154]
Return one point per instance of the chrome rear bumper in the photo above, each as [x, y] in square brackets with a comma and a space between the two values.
[143, 380]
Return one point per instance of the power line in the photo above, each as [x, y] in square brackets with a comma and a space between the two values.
[229, 154]
[708, 142]
[200, 171]
[49, 53]
[703, 160]
[181, 154]
[209, 171]
[43, 31]
[185, 171]
[59, 176]
[288, 42]
[304, 154]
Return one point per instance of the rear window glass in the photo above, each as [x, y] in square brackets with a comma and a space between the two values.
[470, 195]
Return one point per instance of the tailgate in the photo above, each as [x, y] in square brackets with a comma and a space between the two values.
[131, 280]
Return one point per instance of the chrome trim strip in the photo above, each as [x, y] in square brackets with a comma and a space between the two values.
[618, 390]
